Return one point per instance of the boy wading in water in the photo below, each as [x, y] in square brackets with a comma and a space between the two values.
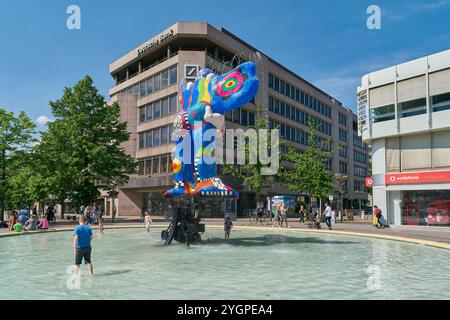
[82, 245]
[227, 225]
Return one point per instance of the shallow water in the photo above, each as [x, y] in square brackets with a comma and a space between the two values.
[133, 264]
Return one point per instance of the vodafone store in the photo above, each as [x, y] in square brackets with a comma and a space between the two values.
[417, 199]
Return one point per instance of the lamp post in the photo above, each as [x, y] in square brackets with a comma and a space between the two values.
[341, 179]
[113, 194]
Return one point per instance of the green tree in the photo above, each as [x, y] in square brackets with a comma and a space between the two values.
[80, 153]
[16, 137]
[308, 173]
[250, 174]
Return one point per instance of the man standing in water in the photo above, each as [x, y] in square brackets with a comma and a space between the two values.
[82, 245]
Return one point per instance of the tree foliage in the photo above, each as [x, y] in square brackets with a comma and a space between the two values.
[80, 153]
[308, 173]
[16, 138]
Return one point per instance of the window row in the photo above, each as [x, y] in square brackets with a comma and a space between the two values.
[154, 165]
[158, 109]
[241, 116]
[155, 137]
[342, 119]
[296, 94]
[359, 185]
[294, 114]
[359, 156]
[343, 167]
[411, 108]
[360, 172]
[357, 141]
[155, 83]
[343, 151]
[290, 133]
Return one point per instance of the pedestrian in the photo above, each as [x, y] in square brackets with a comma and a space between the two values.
[227, 225]
[148, 220]
[302, 213]
[327, 213]
[101, 223]
[284, 215]
[278, 215]
[82, 245]
[379, 216]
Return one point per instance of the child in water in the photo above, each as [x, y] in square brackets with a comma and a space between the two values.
[101, 223]
[227, 225]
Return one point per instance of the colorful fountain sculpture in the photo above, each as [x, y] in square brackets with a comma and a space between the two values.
[204, 104]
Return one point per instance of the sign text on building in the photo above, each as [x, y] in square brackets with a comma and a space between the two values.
[155, 42]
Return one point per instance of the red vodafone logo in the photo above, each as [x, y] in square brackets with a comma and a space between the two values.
[369, 182]
[392, 178]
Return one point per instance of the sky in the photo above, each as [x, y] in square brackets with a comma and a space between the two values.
[327, 43]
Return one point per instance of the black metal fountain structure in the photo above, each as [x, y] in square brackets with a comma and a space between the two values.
[185, 226]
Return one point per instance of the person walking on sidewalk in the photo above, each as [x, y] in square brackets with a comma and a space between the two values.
[327, 213]
[302, 213]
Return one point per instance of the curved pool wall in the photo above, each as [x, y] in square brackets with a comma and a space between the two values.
[254, 264]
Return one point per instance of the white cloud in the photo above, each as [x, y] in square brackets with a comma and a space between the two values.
[42, 120]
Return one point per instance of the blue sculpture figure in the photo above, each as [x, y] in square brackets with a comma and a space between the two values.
[204, 104]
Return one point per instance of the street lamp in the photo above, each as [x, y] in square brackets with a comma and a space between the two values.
[341, 180]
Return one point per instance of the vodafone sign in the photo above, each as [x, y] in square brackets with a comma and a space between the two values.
[418, 177]
[369, 182]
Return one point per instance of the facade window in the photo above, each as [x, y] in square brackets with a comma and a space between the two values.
[343, 151]
[149, 85]
[164, 79]
[173, 75]
[141, 141]
[157, 82]
[383, 113]
[142, 115]
[141, 168]
[359, 185]
[157, 109]
[164, 107]
[342, 119]
[357, 141]
[359, 156]
[343, 167]
[441, 102]
[148, 167]
[149, 139]
[251, 119]
[297, 95]
[342, 135]
[149, 112]
[360, 172]
[413, 107]
[164, 135]
[156, 137]
[154, 83]
[173, 104]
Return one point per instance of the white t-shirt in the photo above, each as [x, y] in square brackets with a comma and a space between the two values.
[328, 211]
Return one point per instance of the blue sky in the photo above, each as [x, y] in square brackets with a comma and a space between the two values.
[325, 42]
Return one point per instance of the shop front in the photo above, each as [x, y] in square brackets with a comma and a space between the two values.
[419, 199]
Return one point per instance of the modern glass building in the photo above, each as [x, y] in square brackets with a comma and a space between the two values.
[146, 85]
[404, 113]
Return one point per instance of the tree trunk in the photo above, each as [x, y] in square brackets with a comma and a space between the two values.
[62, 209]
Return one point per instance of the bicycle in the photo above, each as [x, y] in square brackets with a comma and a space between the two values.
[254, 218]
